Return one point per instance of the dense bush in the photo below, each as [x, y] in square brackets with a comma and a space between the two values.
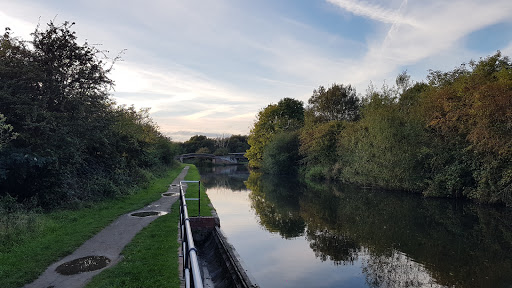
[448, 137]
[281, 156]
[63, 140]
[286, 115]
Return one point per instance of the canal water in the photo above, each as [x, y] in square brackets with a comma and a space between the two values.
[294, 234]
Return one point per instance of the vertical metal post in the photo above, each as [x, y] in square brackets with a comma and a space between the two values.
[199, 201]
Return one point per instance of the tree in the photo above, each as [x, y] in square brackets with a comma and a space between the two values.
[384, 147]
[324, 121]
[318, 146]
[6, 133]
[73, 143]
[237, 144]
[281, 155]
[470, 126]
[286, 115]
[337, 103]
[261, 134]
[197, 142]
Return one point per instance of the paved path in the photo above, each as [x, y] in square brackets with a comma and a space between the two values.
[109, 243]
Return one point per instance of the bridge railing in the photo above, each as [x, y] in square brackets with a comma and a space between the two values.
[189, 251]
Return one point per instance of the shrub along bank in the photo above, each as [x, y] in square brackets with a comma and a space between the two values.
[63, 140]
[450, 136]
[25, 255]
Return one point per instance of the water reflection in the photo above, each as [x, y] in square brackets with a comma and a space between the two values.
[396, 270]
[403, 240]
[230, 176]
[331, 235]
[276, 205]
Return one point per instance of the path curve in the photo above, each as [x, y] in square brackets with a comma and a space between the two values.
[109, 242]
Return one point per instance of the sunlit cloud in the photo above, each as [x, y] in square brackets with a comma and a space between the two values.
[19, 27]
[211, 66]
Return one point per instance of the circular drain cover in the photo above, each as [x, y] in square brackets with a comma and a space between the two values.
[145, 214]
[84, 264]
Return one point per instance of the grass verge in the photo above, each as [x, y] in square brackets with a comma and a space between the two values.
[60, 233]
[192, 207]
[151, 259]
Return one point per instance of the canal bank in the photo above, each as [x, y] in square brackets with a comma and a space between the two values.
[104, 250]
[219, 263]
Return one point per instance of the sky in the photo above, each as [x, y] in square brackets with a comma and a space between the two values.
[207, 67]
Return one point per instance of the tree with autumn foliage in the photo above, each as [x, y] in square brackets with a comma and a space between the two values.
[471, 128]
[450, 136]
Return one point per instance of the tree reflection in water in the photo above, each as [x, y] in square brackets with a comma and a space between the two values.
[230, 176]
[403, 240]
[276, 203]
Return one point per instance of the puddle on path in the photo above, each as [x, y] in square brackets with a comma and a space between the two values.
[169, 194]
[84, 264]
[148, 213]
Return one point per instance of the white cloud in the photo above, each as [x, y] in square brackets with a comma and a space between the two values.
[507, 51]
[375, 12]
[19, 27]
[211, 66]
[438, 29]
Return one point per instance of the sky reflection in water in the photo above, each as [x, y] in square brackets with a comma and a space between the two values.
[296, 235]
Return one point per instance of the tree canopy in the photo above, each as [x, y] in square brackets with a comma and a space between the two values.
[450, 136]
[286, 115]
[337, 103]
[64, 139]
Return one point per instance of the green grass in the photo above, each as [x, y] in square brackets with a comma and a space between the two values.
[192, 207]
[151, 259]
[60, 233]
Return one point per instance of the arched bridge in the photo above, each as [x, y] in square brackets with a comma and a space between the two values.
[231, 158]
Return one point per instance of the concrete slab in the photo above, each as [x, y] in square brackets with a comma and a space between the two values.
[109, 242]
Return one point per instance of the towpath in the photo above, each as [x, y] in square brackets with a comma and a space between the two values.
[107, 243]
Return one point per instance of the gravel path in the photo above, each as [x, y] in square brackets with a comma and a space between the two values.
[107, 243]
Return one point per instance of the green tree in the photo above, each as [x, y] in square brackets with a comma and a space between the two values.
[337, 103]
[281, 155]
[197, 142]
[237, 144]
[384, 148]
[286, 115]
[325, 116]
[73, 143]
[203, 150]
[6, 133]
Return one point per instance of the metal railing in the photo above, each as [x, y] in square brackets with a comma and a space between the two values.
[189, 251]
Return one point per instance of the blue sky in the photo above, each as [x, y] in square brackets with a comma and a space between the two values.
[207, 67]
